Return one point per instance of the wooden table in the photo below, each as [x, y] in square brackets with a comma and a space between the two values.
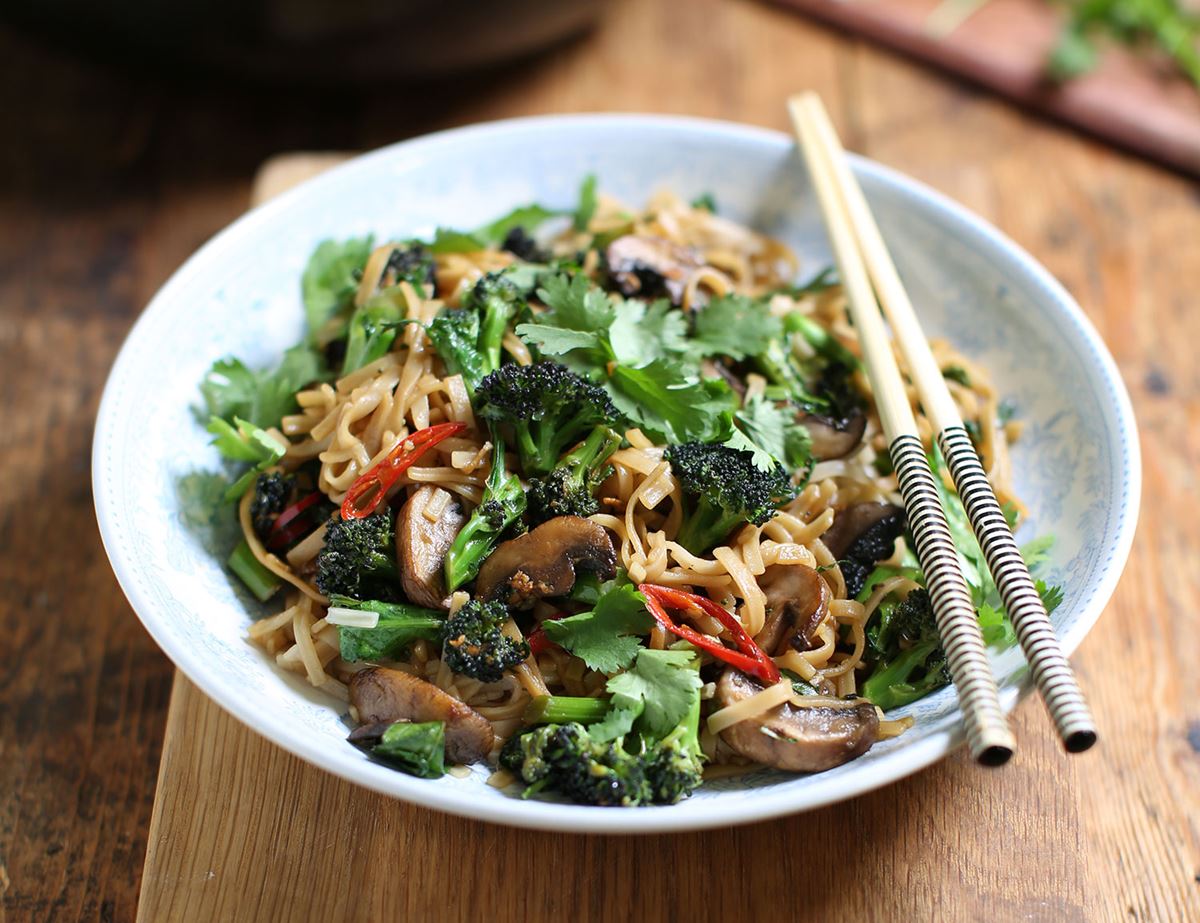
[110, 180]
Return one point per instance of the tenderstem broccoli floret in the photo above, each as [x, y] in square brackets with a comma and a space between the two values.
[272, 489]
[723, 487]
[359, 559]
[563, 758]
[675, 765]
[468, 339]
[475, 644]
[911, 662]
[502, 504]
[547, 406]
[473, 640]
[570, 488]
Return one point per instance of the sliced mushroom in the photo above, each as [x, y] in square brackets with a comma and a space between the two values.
[421, 545]
[543, 562]
[823, 733]
[797, 602]
[861, 535]
[833, 438]
[651, 267]
[383, 696]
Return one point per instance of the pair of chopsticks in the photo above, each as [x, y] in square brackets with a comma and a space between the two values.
[868, 273]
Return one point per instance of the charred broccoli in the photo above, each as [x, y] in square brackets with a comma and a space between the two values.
[568, 759]
[272, 490]
[475, 644]
[723, 487]
[910, 661]
[410, 263]
[548, 408]
[468, 339]
[569, 490]
[675, 765]
[502, 504]
[563, 758]
[359, 559]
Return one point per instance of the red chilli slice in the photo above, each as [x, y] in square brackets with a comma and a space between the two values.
[368, 491]
[749, 657]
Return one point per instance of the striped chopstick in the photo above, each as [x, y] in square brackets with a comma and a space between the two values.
[1051, 672]
[988, 735]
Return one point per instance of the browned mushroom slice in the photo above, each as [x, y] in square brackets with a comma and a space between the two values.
[823, 733]
[543, 562]
[422, 543]
[382, 696]
[861, 535]
[834, 438]
[651, 267]
[797, 602]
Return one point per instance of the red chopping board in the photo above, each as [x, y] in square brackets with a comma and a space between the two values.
[1135, 102]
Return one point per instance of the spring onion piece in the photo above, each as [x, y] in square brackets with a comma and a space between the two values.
[352, 618]
[259, 581]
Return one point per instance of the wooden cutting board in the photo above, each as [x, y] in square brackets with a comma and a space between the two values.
[1004, 44]
[242, 830]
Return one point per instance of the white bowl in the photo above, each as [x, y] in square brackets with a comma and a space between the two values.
[1077, 464]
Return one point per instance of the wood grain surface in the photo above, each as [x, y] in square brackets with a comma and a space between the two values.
[110, 178]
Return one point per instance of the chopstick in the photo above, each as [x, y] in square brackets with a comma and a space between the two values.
[1052, 673]
[988, 736]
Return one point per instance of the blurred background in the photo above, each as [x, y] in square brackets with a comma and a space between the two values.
[133, 131]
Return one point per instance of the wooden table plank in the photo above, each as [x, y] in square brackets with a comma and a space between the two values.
[84, 243]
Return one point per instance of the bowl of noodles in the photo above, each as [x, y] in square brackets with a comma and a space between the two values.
[527, 472]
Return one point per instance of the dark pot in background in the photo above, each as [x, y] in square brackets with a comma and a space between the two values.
[308, 41]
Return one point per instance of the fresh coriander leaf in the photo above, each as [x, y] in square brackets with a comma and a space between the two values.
[263, 398]
[330, 279]
[668, 402]
[448, 240]
[558, 341]
[734, 326]
[1052, 596]
[641, 333]
[604, 638]
[229, 389]
[616, 724]
[1036, 551]
[706, 202]
[774, 430]
[1005, 411]
[587, 203]
[574, 303]
[245, 442]
[995, 627]
[1010, 511]
[957, 373]
[529, 217]
[664, 684]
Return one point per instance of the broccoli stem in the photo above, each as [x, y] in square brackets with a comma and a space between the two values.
[592, 452]
[705, 526]
[491, 333]
[259, 581]
[502, 504]
[889, 685]
[565, 709]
